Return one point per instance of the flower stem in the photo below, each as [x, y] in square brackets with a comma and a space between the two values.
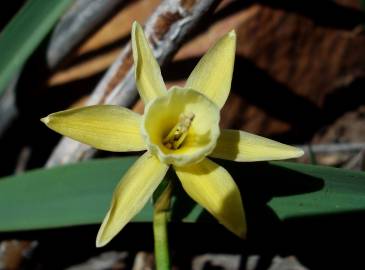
[160, 218]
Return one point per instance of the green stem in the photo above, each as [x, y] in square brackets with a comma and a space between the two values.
[160, 219]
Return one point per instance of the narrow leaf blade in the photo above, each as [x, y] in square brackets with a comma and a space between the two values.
[343, 191]
[62, 196]
[80, 194]
[24, 33]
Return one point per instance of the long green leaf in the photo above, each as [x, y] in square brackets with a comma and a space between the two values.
[80, 193]
[294, 190]
[62, 196]
[342, 191]
[24, 33]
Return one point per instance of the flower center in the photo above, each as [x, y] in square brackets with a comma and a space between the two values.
[178, 133]
[181, 127]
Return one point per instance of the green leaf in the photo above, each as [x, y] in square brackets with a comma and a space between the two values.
[81, 193]
[24, 33]
[342, 191]
[62, 196]
[292, 189]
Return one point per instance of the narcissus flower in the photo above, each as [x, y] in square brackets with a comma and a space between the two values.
[180, 128]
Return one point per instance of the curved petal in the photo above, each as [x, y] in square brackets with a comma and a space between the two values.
[213, 74]
[131, 194]
[243, 146]
[104, 127]
[212, 187]
[147, 71]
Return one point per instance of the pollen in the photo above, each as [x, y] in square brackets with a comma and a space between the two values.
[178, 133]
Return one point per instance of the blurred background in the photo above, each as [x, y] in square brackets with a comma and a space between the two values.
[299, 78]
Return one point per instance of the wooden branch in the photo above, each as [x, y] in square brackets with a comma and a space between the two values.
[79, 22]
[171, 22]
[330, 148]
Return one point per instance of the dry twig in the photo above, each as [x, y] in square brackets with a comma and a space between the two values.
[333, 147]
[79, 21]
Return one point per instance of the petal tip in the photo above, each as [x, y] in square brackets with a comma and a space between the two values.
[240, 231]
[101, 241]
[45, 120]
[135, 24]
[298, 152]
[232, 34]
[103, 237]
[243, 234]
[99, 244]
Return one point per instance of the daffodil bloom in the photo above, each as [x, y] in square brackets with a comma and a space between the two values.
[179, 128]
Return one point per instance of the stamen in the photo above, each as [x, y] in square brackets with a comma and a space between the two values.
[179, 132]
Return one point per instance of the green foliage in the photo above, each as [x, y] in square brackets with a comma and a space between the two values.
[341, 191]
[81, 193]
[24, 33]
[63, 196]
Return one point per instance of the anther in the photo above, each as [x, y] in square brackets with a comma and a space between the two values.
[179, 132]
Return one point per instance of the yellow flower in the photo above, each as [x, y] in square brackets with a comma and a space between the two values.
[180, 127]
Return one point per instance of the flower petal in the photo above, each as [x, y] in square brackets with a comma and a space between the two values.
[213, 74]
[212, 186]
[243, 146]
[131, 194]
[104, 127]
[147, 71]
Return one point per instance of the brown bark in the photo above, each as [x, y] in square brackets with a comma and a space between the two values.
[309, 59]
[292, 73]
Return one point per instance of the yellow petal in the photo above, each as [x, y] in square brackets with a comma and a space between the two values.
[243, 146]
[212, 187]
[163, 114]
[131, 194]
[104, 127]
[147, 71]
[213, 74]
